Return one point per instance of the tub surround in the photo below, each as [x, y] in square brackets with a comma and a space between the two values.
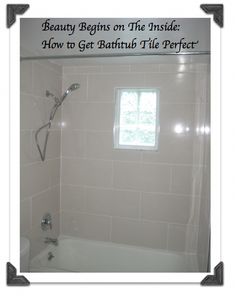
[141, 199]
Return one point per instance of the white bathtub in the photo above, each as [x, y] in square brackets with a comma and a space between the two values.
[82, 255]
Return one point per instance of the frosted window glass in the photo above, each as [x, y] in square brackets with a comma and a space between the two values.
[136, 119]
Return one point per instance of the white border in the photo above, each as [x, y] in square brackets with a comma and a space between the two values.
[38, 10]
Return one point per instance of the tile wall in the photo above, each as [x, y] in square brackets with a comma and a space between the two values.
[39, 181]
[157, 199]
[143, 198]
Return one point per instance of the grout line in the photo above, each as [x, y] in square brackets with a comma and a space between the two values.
[111, 228]
[39, 193]
[136, 220]
[48, 67]
[174, 195]
[140, 206]
[167, 237]
[40, 162]
[171, 179]
[87, 88]
[136, 162]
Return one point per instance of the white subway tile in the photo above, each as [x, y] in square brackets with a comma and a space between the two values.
[178, 87]
[26, 75]
[112, 202]
[87, 172]
[182, 180]
[166, 208]
[182, 238]
[73, 143]
[86, 225]
[73, 115]
[101, 87]
[25, 217]
[139, 233]
[73, 198]
[145, 177]
[99, 116]
[44, 79]
[45, 202]
[171, 149]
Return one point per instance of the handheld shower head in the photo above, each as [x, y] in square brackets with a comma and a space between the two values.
[72, 87]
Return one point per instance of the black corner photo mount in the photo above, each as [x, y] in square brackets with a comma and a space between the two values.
[12, 10]
[217, 10]
[13, 279]
[217, 279]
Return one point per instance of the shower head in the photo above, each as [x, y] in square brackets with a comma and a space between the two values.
[72, 87]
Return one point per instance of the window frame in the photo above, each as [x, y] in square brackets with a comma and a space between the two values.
[116, 126]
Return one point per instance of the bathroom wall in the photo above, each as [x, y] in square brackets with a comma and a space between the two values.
[144, 198]
[39, 181]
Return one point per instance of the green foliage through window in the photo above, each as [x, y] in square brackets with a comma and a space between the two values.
[137, 117]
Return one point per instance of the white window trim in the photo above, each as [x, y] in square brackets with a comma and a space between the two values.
[116, 126]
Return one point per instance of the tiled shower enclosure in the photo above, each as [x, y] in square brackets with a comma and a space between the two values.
[151, 199]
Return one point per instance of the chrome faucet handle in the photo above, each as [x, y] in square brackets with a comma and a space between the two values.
[46, 222]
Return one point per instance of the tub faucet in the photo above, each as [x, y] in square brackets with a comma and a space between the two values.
[49, 240]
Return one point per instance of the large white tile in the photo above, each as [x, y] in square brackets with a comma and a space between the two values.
[139, 233]
[172, 115]
[167, 208]
[101, 87]
[182, 238]
[182, 180]
[25, 147]
[34, 178]
[178, 87]
[127, 176]
[73, 171]
[25, 217]
[100, 146]
[113, 202]
[81, 69]
[73, 198]
[26, 71]
[146, 177]
[172, 149]
[53, 144]
[73, 115]
[46, 202]
[85, 225]
[114, 68]
[155, 178]
[32, 112]
[54, 171]
[99, 116]
[144, 67]
[73, 143]
[87, 172]
[44, 79]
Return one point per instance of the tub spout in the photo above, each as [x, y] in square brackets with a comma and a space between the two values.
[49, 240]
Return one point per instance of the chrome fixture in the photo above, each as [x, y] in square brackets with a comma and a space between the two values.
[46, 222]
[53, 241]
[57, 103]
[50, 256]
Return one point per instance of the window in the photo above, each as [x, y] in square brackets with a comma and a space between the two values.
[136, 123]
